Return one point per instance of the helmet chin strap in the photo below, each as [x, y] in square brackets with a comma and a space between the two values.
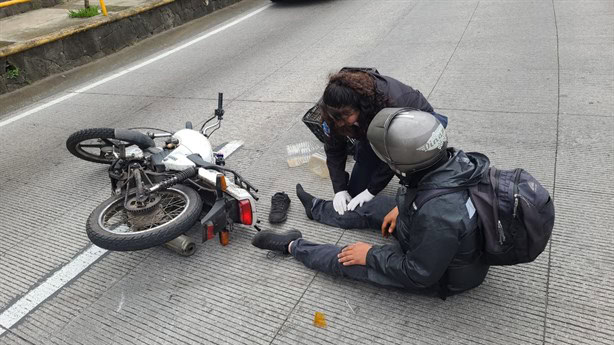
[411, 179]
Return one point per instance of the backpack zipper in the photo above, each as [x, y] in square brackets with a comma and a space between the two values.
[501, 233]
[516, 195]
[496, 207]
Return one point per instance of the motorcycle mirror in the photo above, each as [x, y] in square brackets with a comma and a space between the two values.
[219, 112]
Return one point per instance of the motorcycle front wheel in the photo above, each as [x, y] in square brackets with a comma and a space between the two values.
[111, 226]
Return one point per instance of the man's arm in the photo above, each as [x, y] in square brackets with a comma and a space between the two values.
[420, 268]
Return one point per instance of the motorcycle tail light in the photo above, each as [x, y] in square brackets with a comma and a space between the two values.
[245, 211]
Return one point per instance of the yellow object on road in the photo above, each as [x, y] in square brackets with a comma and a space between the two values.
[319, 320]
[13, 2]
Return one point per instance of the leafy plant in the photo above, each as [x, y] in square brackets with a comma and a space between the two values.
[84, 12]
[12, 72]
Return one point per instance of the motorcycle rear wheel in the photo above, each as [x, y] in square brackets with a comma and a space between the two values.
[93, 144]
[112, 227]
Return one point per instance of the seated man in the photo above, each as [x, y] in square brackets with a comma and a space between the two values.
[438, 245]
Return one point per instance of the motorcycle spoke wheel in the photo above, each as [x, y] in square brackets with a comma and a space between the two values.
[111, 226]
[96, 145]
[118, 220]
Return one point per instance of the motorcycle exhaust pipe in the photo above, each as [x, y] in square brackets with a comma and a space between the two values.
[182, 245]
[180, 177]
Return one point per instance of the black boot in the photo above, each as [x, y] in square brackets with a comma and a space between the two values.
[267, 239]
[306, 199]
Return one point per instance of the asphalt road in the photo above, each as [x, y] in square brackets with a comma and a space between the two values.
[530, 83]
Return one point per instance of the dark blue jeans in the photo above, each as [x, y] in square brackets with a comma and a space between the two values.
[369, 216]
[323, 257]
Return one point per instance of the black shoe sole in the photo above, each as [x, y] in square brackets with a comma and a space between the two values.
[279, 222]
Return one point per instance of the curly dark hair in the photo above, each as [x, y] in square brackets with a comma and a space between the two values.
[347, 90]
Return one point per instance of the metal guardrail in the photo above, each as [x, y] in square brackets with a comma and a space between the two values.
[12, 2]
[103, 7]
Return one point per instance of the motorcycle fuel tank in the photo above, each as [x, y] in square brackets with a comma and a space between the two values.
[190, 142]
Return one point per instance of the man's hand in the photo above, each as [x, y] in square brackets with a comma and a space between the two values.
[360, 199]
[390, 222]
[354, 254]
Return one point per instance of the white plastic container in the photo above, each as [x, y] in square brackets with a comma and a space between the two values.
[298, 154]
[317, 164]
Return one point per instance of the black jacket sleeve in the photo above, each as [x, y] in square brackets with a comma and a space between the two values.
[400, 95]
[336, 157]
[413, 99]
[421, 267]
[383, 174]
[433, 242]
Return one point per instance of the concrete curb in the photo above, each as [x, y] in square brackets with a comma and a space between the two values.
[77, 45]
[16, 9]
[21, 46]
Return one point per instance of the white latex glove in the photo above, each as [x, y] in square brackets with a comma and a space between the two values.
[360, 199]
[340, 202]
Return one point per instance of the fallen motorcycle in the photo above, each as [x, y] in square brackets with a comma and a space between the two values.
[161, 192]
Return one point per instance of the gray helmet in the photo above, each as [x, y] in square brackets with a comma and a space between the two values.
[408, 140]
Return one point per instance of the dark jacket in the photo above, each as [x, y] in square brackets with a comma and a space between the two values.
[439, 242]
[398, 95]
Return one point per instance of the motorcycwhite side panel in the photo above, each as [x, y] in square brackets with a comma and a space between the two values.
[190, 142]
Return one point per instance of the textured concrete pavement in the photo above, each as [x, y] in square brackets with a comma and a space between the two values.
[529, 83]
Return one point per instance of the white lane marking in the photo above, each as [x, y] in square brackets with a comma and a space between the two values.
[133, 68]
[36, 109]
[230, 147]
[38, 295]
[35, 297]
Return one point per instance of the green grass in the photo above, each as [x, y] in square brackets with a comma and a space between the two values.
[84, 12]
[12, 72]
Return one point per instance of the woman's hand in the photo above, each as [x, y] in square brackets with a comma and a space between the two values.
[390, 222]
[340, 201]
[354, 254]
[360, 199]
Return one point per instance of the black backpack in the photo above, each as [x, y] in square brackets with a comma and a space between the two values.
[515, 214]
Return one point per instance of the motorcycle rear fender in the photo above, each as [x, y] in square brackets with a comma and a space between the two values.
[216, 217]
[236, 192]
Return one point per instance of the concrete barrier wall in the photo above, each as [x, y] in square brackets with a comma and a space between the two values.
[83, 44]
